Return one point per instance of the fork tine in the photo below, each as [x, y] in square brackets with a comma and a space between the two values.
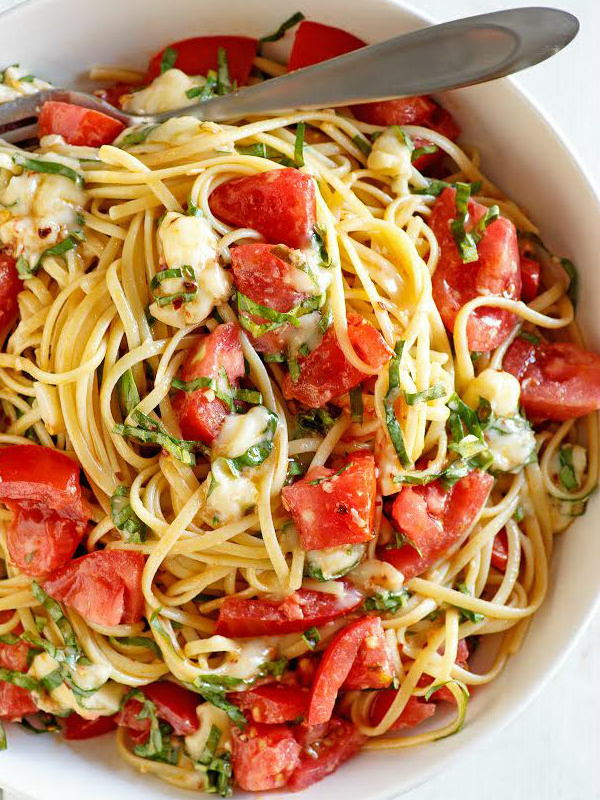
[22, 134]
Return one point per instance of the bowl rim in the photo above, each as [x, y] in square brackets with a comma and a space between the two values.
[486, 728]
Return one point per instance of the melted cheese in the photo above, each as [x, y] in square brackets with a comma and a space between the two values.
[231, 498]
[104, 702]
[190, 241]
[511, 442]
[392, 157]
[13, 86]
[209, 715]
[501, 389]
[165, 93]
[564, 512]
[374, 576]
[333, 562]
[241, 431]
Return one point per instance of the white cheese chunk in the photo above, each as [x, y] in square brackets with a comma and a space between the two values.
[333, 562]
[241, 431]
[501, 389]
[392, 157]
[373, 576]
[209, 715]
[13, 86]
[165, 93]
[229, 498]
[511, 441]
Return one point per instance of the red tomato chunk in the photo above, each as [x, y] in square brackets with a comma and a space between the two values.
[558, 381]
[75, 727]
[105, 587]
[41, 541]
[78, 126]
[280, 204]
[414, 712]
[10, 286]
[334, 507]
[325, 373]
[434, 520]
[200, 414]
[15, 702]
[500, 551]
[495, 273]
[174, 704]
[199, 55]
[303, 609]
[273, 703]
[373, 667]
[264, 756]
[315, 42]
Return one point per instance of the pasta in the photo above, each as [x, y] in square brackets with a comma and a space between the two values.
[133, 280]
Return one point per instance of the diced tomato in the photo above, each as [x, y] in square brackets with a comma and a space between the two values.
[335, 667]
[32, 475]
[414, 712]
[76, 727]
[434, 520]
[78, 126]
[15, 702]
[496, 273]
[264, 756]
[500, 551]
[558, 381]
[199, 55]
[325, 373]
[337, 743]
[10, 286]
[373, 667]
[280, 204]
[273, 703]
[334, 507]
[105, 586]
[315, 42]
[174, 704]
[200, 417]
[530, 278]
[41, 541]
[422, 111]
[114, 94]
[264, 273]
[259, 616]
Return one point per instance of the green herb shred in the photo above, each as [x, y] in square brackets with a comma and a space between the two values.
[168, 60]
[49, 167]
[393, 426]
[283, 28]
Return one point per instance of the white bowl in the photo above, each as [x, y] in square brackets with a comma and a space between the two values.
[59, 40]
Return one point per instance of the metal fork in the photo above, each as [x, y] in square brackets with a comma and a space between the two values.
[435, 59]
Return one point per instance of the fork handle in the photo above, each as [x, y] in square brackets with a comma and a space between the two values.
[434, 59]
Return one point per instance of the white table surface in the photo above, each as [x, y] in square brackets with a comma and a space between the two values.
[551, 752]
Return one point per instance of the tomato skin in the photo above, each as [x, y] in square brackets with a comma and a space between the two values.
[434, 520]
[41, 475]
[335, 667]
[198, 55]
[321, 756]
[263, 276]
[273, 703]
[105, 586]
[338, 510]
[174, 704]
[559, 381]
[113, 94]
[78, 126]
[496, 272]
[280, 204]
[530, 278]
[325, 373]
[373, 666]
[10, 286]
[315, 42]
[199, 417]
[264, 756]
[15, 702]
[41, 541]
[414, 712]
[500, 551]
[75, 727]
[241, 618]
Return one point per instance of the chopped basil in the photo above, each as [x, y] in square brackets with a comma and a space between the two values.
[250, 396]
[193, 386]
[433, 393]
[491, 215]
[387, 601]
[274, 358]
[152, 431]
[436, 187]
[218, 770]
[53, 680]
[529, 337]
[362, 144]
[356, 404]
[275, 318]
[125, 518]
[465, 614]
[274, 668]
[311, 638]
[519, 514]
[464, 240]
[424, 150]
[129, 396]
[319, 481]
[319, 240]
[223, 83]
[566, 474]
[285, 26]
[571, 271]
[47, 721]
[192, 210]
[436, 687]
[295, 469]
[70, 243]
[27, 79]
[158, 746]
[49, 167]
[168, 60]
[393, 426]
[204, 92]
[403, 137]
[23, 268]
[20, 679]
[259, 452]
[56, 614]
[137, 641]
[213, 689]
[260, 150]
[299, 144]
[166, 274]
[9, 638]
[3, 742]
[317, 420]
[138, 136]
